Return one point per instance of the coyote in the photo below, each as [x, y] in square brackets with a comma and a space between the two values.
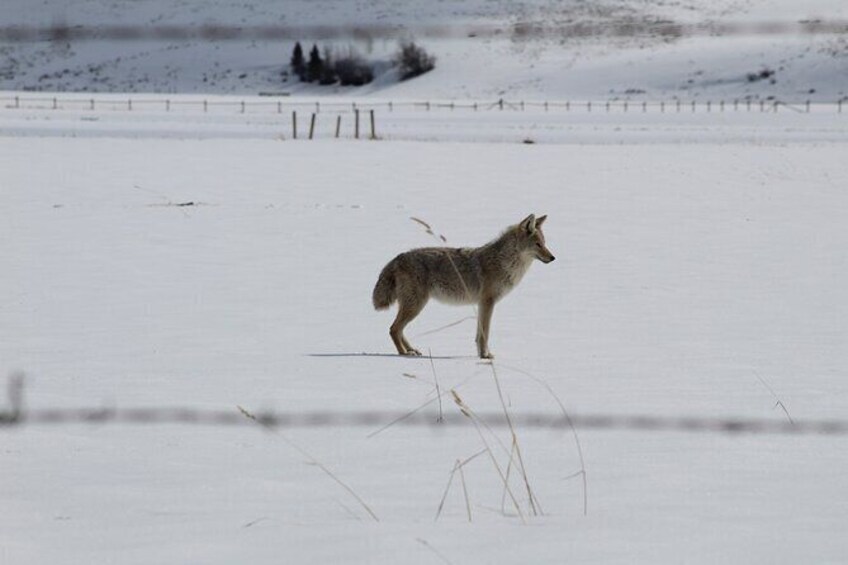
[468, 275]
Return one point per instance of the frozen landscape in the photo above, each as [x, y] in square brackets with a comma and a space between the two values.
[160, 254]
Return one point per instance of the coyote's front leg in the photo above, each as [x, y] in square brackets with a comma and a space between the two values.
[484, 319]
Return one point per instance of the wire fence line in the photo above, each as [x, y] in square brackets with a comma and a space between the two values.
[17, 418]
[624, 27]
[282, 104]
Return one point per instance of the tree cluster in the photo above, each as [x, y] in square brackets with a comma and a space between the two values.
[351, 69]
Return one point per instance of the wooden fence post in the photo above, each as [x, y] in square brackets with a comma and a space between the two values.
[294, 124]
[373, 128]
[205, 106]
[356, 124]
[338, 125]
[312, 126]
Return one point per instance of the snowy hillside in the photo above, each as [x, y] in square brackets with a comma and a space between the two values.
[553, 63]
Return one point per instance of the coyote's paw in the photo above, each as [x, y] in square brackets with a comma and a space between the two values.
[412, 352]
[487, 355]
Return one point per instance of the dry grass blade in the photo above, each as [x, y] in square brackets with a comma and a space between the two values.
[508, 470]
[570, 422]
[446, 327]
[466, 411]
[426, 544]
[422, 223]
[464, 490]
[438, 390]
[445, 494]
[415, 410]
[778, 402]
[312, 461]
[534, 505]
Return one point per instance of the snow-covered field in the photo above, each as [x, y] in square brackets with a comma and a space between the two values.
[702, 274]
[158, 253]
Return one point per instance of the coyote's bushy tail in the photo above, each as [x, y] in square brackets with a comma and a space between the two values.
[384, 291]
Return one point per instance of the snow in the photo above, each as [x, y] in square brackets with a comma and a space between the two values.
[501, 62]
[685, 272]
[171, 256]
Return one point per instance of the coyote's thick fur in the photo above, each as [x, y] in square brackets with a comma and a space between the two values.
[468, 275]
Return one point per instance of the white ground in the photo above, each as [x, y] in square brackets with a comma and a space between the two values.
[554, 65]
[687, 266]
[701, 272]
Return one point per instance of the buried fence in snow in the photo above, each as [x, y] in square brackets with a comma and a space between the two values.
[258, 106]
[383, 419]
[16, 415]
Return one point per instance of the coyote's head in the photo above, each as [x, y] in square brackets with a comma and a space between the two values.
[533, 239]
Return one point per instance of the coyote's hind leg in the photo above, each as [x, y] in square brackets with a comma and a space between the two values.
[408, 309]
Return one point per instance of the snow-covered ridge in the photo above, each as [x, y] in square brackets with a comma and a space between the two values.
[530, 53]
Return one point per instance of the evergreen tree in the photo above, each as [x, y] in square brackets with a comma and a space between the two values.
[298, 63]
[315, 67]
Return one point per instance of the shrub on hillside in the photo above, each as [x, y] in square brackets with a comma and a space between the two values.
[413, 61]
[352, 70]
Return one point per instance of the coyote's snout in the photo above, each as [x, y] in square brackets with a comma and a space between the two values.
[468, 275]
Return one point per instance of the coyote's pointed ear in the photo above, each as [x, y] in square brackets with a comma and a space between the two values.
[528, 224]
[541, 220]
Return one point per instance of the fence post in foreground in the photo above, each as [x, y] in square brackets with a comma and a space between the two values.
[338, 125]
[373, 128]
[18, 102]
[294, 124]
[205, 106]
[312, 126]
